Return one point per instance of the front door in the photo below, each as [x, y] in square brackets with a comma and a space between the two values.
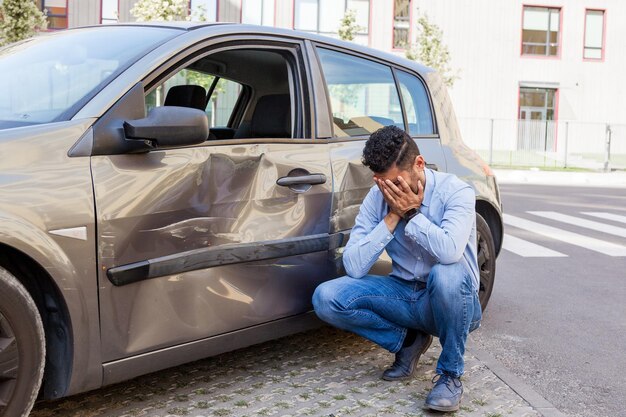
[201, 241]
[537, 128]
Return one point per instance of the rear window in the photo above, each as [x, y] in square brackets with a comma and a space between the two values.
[43, 79]
[363, 94]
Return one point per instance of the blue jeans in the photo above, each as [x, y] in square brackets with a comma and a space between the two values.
[382, 308]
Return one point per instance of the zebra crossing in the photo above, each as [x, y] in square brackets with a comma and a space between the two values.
[582, 223]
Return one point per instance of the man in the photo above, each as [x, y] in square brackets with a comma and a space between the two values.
[426, 222]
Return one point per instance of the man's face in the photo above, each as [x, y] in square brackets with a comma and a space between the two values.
[411, 175]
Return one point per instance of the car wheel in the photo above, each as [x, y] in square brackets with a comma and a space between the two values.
[486, 260]
[22, 348]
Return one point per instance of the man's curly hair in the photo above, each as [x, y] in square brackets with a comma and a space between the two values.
[389, 145]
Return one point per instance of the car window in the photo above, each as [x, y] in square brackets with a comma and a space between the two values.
[416, 104]
[253, 97]
[219, 107]
[44, 78]
[363, 94]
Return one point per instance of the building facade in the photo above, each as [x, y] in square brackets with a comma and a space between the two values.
[532, 75]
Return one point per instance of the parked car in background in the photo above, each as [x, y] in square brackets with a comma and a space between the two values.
[171, 192]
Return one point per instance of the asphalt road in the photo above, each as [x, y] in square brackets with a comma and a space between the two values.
[557, 315]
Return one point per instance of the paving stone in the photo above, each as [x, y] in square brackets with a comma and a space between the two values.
[324, 372]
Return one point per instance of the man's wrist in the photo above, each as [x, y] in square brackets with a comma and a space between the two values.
[410, 213]
[391, 220]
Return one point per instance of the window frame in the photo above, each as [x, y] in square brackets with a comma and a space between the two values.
[110, 21]
[559, 44]
[603, 47]
[367, 33]
[42, 7]
[303, 122]
[394, 67]
[393, 27]
[217, 9]
[241, 2]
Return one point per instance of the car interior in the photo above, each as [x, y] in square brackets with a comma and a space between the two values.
[246, 93]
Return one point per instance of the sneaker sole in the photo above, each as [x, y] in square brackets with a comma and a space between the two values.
[413, 365]
[441, 408]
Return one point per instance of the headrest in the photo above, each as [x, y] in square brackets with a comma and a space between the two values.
[272, 117]
[193, 96]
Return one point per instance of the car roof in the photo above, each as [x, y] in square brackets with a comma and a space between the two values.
[269, 30]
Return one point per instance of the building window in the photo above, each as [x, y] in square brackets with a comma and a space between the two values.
[323, 16]
[203, 10]
[401, 23]
[594, 34]
[540, 31]
[109, 10]
[258, 12]
[56, 12]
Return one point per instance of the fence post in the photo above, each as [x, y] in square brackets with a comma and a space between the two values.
[607, 154]
[566, 139]
[491, 144]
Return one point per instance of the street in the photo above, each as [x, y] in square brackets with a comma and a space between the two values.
[556, 320]
[557, 316]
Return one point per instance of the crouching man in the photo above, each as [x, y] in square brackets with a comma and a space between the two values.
[426, 222]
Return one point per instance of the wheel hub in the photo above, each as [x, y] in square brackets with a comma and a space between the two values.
[9, 361]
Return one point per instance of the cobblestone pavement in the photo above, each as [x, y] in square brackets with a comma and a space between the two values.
[324, 372]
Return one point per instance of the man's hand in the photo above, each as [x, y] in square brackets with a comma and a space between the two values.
[400, 197]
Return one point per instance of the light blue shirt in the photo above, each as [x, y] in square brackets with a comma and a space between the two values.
[443, 232]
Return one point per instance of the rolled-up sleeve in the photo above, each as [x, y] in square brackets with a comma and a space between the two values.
[447, 241]
[368, 239]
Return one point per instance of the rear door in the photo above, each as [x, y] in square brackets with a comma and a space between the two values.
[365, 94]
[200, 241]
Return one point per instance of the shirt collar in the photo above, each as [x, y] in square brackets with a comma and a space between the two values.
[430, 185]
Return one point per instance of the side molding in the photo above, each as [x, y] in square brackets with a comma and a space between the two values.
[224, 255]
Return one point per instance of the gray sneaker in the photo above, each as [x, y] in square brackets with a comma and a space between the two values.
[406, 358]
[446, 394]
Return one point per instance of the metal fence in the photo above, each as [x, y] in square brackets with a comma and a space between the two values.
[547, 144]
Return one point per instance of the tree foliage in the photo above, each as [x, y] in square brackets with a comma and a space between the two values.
[160, 10]
[167, 11]
[348, 28]
[20, 19]
[430, 50]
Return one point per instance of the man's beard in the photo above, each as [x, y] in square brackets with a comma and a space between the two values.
[414, 180]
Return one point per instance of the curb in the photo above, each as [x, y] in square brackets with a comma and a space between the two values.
[615, 179]
[536, 401]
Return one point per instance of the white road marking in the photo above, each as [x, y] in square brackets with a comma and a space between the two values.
[528, 249]
[607, 216]
[577, 221]
[596, 245]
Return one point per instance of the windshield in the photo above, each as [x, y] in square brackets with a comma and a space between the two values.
[44, 78]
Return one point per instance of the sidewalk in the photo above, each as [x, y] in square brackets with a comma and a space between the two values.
[324, 372]
[615, 179]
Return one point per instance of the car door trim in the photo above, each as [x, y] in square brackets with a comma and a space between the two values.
[229, 254]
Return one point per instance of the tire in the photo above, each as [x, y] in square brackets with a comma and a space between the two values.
[486, 260]
[22, 348]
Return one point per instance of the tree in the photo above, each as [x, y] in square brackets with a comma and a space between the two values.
[348, 27]
[161, 10]
[431, 51]
[20, 19]
[167, 10]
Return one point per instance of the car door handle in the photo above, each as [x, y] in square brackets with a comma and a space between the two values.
[310, 179]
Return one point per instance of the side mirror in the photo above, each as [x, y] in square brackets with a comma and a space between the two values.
[169, 126]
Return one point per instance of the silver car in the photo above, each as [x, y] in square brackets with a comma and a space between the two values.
[171, 192]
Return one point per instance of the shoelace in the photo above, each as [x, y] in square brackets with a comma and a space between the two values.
[446, 379]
